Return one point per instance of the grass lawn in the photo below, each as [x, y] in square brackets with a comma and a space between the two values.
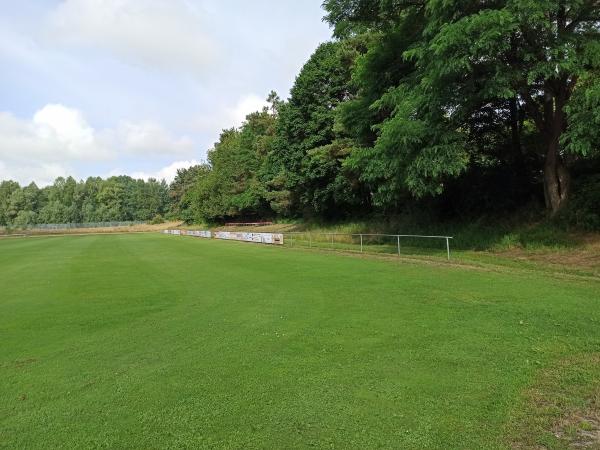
[152, 341]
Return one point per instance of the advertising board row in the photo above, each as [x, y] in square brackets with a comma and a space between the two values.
[198, 233]
[195, 233]
[260, 238]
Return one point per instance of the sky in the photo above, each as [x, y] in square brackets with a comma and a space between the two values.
[139, 87]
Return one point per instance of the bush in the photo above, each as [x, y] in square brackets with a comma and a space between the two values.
[157, 219]
[24, 219]
[583, 210]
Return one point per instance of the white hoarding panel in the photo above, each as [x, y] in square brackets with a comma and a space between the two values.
[200, 233]
[261, 238]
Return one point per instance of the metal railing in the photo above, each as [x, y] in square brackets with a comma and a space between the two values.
[248, 224]
[371, 242]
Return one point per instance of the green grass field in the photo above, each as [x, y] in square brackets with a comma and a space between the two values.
[151, 341]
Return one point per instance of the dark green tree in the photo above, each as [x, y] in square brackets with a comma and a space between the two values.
[235, 184]
[521, 62]
[7, 188]
[180, 201]
[308, 153]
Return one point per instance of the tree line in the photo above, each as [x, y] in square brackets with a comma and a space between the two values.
[119, 198]
[462, 109]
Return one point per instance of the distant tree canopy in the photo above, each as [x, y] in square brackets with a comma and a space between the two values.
[466, 107]
[94, 200]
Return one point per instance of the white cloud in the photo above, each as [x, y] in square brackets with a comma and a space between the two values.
[191, 66]
[232, 115]
[55, 133]
[163, 34]
[246, 105]
[66, 128]
[149, 137]
[167, 173]
[58, 137]
[43, 174]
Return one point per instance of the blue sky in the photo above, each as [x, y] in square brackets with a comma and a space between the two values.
[139, 87]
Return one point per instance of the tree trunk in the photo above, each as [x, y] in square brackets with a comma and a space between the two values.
[550, 120]
[556, 177]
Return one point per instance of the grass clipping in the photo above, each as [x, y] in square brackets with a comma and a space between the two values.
[562, 409]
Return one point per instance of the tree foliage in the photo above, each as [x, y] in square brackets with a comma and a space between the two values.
[308, 152]
[460, 105]
[464, 70]
[119, 198]
[233, 186]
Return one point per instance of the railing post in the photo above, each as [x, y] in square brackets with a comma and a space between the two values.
[448, 247]
[398, 245]
[361, 244]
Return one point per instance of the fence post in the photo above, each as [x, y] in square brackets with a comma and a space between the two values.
[309, 240]
[448, 247]
[398, 245]
[332, 241]
[361, 245]
[291, 239]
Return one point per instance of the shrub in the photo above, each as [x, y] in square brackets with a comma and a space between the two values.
[583, 210]
[157, 219]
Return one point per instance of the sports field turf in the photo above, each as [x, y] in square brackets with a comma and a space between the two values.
[152, 341]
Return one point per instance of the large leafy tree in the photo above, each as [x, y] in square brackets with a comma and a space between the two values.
[235, 184]
[179, 189]
[308, 152]
[530, 64]
[7, 188]
[22, 205]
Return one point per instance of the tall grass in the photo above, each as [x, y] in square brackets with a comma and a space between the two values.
[469, 235]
